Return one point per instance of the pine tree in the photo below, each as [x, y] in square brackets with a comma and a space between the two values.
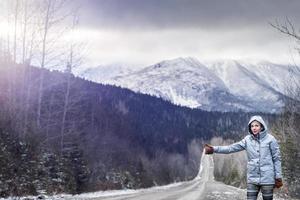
[6, 172]
[75, 168]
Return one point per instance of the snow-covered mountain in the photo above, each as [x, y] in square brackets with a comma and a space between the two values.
[183, 81]
[225, 85]
[105, 73]
[276, 76]
[256, 83]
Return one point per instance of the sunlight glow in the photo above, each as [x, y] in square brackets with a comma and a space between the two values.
[5, 28]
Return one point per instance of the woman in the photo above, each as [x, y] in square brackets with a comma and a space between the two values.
[264, 160]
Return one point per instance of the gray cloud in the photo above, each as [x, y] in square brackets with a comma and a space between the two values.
[148, 31]
[210, 14]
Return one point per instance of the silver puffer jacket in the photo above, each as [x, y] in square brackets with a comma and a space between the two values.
[264, 160]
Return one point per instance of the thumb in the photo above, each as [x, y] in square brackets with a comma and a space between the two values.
[207, 145]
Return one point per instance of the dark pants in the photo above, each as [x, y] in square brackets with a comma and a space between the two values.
[253, 190]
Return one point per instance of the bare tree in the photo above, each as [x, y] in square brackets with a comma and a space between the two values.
[286, 27]
[15, 30]
[3, 20]
[7, 14]
[44, 39]
[28, 45]
[51, 17]
[292, 104]
[74, 59]
[68, 71]
[25, 24]
[289, 123]
[37, 27]
[10, 13]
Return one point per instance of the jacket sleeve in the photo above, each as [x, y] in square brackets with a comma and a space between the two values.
[239, 146]
[276, 157]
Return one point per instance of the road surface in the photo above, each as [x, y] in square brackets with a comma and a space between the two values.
[203, 187]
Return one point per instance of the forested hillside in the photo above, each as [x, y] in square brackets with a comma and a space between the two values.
[90, 136]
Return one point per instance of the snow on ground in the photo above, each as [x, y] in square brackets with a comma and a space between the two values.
[90, 195]
[202, 186]
[108, 193]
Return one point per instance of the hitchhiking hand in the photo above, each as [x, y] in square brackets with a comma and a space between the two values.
[208, 149]
[278, 183]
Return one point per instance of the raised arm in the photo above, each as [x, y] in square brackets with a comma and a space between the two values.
[239, 146]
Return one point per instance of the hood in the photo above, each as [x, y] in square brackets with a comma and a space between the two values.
[260, 120]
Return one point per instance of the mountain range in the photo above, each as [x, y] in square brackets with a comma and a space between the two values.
[224, 85]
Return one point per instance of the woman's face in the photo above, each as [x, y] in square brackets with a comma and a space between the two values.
[255, 127]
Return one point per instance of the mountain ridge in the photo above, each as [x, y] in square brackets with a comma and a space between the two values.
[224, 85]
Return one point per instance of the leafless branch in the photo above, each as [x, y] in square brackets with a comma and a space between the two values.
[287, 28]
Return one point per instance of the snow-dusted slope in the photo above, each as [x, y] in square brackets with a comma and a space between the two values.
[224, 85]
[104, 73]
[276, 76]
[183, 81]
[252, 82]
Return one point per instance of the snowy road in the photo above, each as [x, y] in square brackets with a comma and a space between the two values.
[203, 187]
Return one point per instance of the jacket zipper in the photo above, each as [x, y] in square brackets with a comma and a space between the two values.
[259, 161]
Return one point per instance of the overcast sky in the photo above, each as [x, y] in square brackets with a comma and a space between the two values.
[143, 32]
